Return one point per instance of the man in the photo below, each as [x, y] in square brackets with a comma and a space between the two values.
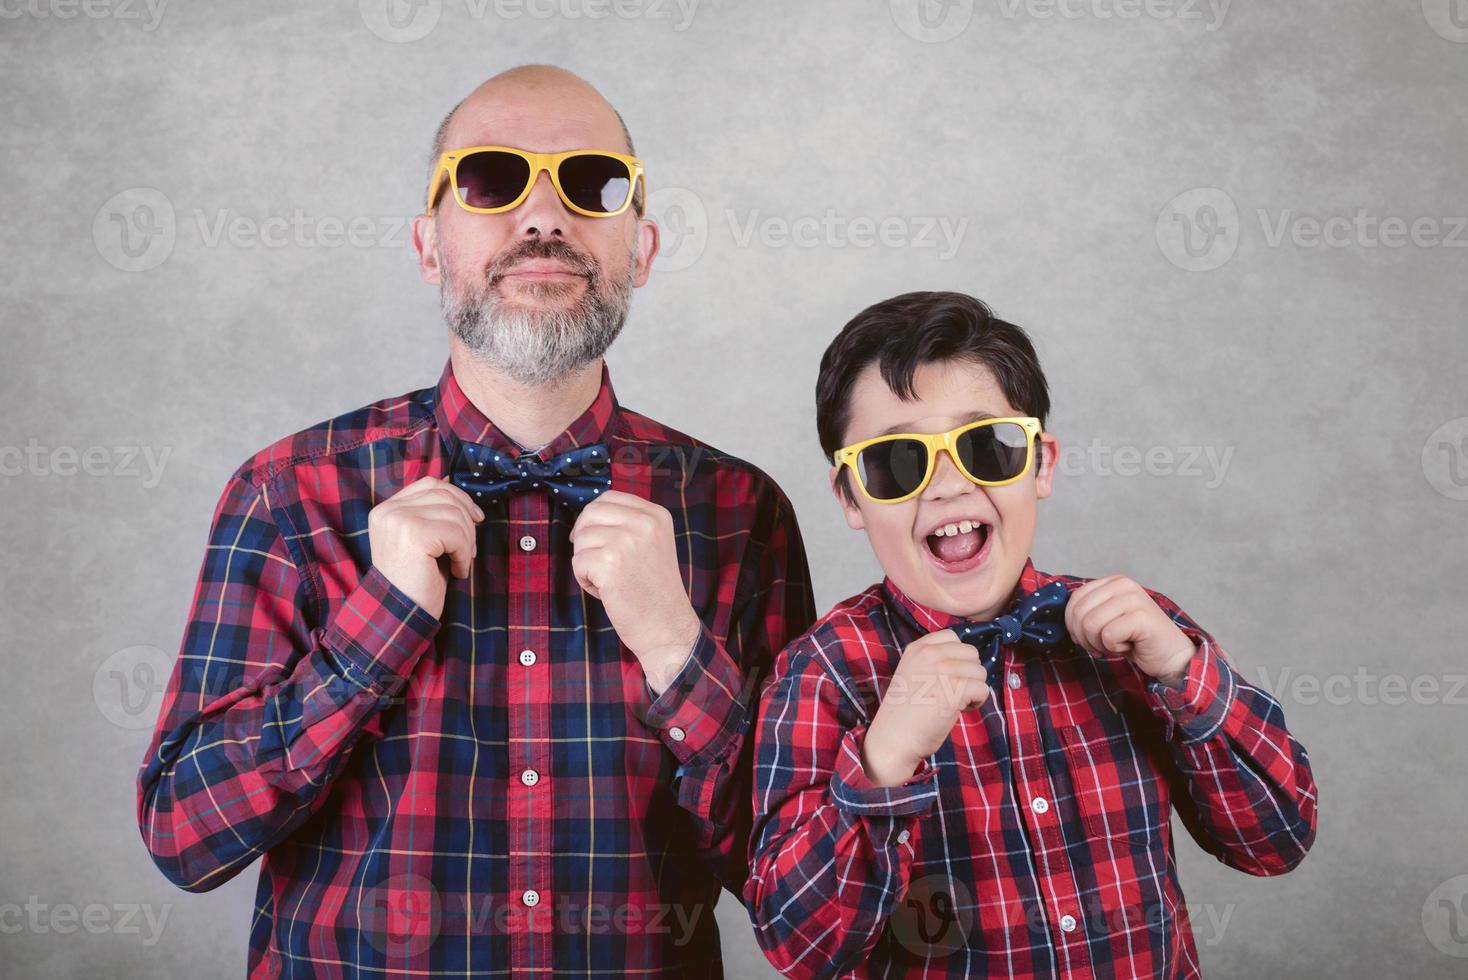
[471, 669]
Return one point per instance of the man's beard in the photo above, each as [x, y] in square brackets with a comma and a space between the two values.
[539, 346]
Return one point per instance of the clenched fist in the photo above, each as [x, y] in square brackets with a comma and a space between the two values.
[938, 677]
[1114, 616]
[421, 535]
[623, 554]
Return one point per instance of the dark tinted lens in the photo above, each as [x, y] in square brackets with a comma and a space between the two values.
[492, 179]
[994, 452]
[892, 469]
[594, 182]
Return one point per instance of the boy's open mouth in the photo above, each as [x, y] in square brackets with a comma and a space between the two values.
[960, 545]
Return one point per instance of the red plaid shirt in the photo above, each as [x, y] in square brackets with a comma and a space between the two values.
[493, 792]
[1037, 841]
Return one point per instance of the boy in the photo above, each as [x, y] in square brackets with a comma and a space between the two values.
[968, 769]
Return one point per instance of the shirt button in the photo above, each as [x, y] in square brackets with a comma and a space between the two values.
[903, 837]
[1014, 681]
[527, 658]
[1039, 804]
[1067, 923]
[529, 777]
[676, 734]
[527, 543]
[531, 897]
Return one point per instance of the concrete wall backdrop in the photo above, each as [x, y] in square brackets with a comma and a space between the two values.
[1236, 229]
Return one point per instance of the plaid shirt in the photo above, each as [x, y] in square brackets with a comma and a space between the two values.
[1037, 841]
[495, 792]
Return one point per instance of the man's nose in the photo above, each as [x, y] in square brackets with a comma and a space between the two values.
[541, 213]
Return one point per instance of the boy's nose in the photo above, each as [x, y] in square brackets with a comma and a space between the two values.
[947, 480]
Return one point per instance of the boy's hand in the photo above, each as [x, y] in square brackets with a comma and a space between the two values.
[938, 677]
[1114, 616]
[623, 553]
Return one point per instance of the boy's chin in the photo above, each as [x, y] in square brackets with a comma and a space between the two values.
[970, 588]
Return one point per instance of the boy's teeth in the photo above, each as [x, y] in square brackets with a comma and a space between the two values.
[965, 526]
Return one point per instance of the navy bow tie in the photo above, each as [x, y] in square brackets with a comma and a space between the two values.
[574, 478]
[1037, 622]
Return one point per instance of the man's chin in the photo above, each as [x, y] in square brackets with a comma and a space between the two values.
[532, 294]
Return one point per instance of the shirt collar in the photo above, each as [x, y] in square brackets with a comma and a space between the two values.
[460, 420]
[930, 620]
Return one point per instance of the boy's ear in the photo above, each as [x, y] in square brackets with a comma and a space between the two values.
[1048, 456]
[848, 507]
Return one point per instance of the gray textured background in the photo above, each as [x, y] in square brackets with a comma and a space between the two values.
[1137, 189]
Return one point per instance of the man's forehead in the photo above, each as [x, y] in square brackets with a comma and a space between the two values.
[537, 119]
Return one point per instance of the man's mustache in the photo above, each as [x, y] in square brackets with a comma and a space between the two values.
[542, 248]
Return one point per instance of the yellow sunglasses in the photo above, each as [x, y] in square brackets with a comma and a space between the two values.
[990, 452]
[494, 179]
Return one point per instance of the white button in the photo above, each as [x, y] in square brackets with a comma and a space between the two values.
[1067, 923]
[531, 897]
[676, 733]
[527, 658]
[527, 543]
[1039, 804]
[1014, 680]
[903, 837]
[529, 777]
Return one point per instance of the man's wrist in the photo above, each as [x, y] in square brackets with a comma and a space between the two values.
[663, 662]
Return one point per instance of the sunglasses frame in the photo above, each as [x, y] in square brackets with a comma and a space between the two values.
[940, 441]
[548, 162]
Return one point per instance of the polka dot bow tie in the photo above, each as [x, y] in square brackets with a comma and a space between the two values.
[574, 478]
[1037, 622]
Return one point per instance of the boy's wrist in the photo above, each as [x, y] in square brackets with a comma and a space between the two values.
[884, 766]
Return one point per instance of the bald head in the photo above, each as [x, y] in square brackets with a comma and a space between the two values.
[534, 107]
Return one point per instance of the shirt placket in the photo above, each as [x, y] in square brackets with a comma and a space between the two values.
[1034, 794]
[529, 808]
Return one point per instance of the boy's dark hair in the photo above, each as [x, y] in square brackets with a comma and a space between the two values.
[905, 332]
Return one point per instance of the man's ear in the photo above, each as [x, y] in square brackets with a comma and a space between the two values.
[425, 242]
[848, 507]
[649, 240]
[1047, 458]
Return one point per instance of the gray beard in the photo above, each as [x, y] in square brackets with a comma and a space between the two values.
[538, 347]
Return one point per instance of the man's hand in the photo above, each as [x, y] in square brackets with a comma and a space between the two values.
[623, 554]
[1114, 616]
[420, 535]
[937, 677]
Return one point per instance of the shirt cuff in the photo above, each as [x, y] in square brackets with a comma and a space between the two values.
[854, 792]
[705, 708]
[379, 633]
[1198, 708]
